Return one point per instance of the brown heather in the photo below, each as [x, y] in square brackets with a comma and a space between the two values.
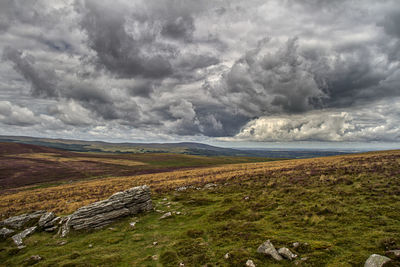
[66, 198]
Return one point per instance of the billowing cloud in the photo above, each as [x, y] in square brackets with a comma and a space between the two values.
[238, 70]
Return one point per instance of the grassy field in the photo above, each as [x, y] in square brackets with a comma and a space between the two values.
[345, 207]
[26, 165]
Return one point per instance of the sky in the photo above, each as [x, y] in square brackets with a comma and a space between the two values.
[234, 72]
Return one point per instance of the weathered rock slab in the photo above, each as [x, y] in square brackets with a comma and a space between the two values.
[20, 221]
[376, 260]
[268, 248]
[101, 213]
[18, 238]
[45, 219]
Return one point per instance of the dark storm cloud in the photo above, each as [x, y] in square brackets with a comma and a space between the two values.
[179, 28]
[42, 80]
[201, 68]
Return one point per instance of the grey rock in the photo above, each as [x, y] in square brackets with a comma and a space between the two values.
[250, 263]
[376, 260]
[296, 244]
[5, 232]
[101, 213]
[64, 229]
[20, 221]
[227, 256]
[132, 224]
[286, 253]
[182, 188]
[18, 238]
[210, 185]
[52, 223]
[268, 249]
[46, 219]
[51, 229]
[155, 257]
[166, 215]
[33, 259]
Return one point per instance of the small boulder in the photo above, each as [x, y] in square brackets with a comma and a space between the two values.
[295, 244]
[33, 259]
[166, 215]
[286, 253]
[227, 256]
[155, 257]
[182, 188]
[250, 263]
[268, 248]
[18, 238]
[209, 186]
[376, 260]
[132, 224]
[5, 232]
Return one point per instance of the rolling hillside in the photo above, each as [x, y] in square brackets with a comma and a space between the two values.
[26, 164]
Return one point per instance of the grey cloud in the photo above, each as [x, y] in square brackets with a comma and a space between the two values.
[179, 28]
[16, 115]
[194, 68]
[43, 80]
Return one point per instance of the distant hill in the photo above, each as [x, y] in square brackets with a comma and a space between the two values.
[189, 148]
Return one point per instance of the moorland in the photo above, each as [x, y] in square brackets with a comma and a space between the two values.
[341, 209]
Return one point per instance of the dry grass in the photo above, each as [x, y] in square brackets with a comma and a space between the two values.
[57, 158]
[66, 198]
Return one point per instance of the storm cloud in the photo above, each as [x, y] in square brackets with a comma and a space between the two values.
[210, 70]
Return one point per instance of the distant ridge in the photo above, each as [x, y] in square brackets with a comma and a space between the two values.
[190, 148]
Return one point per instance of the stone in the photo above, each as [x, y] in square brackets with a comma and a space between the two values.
[51, 229]
[33, 259]
[178, 213]
[52, 223]
[46, 219]
[5, 232]
[250, 263]
[246, 198]
[286, 253]
[90, 245]
[181, 264]
[64, 229]
[209, 186]
[101, 213]
[268, 248]
[166, 215]
[18, 238]
[296, 244]
[394, 253]
[61, 243]
[155, 257]
[155, 243]
[20, 221]
[226, 256]
[132, 224]
[376, 260]
[182, 188]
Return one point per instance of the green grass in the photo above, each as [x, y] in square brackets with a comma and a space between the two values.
[343, 224]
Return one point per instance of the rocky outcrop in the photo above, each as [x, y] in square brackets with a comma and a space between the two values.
[268, 249]
[101, 213]
[20, 221]
[18, 238]
[376, 260]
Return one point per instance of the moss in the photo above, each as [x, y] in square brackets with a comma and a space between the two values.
[169, 258]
